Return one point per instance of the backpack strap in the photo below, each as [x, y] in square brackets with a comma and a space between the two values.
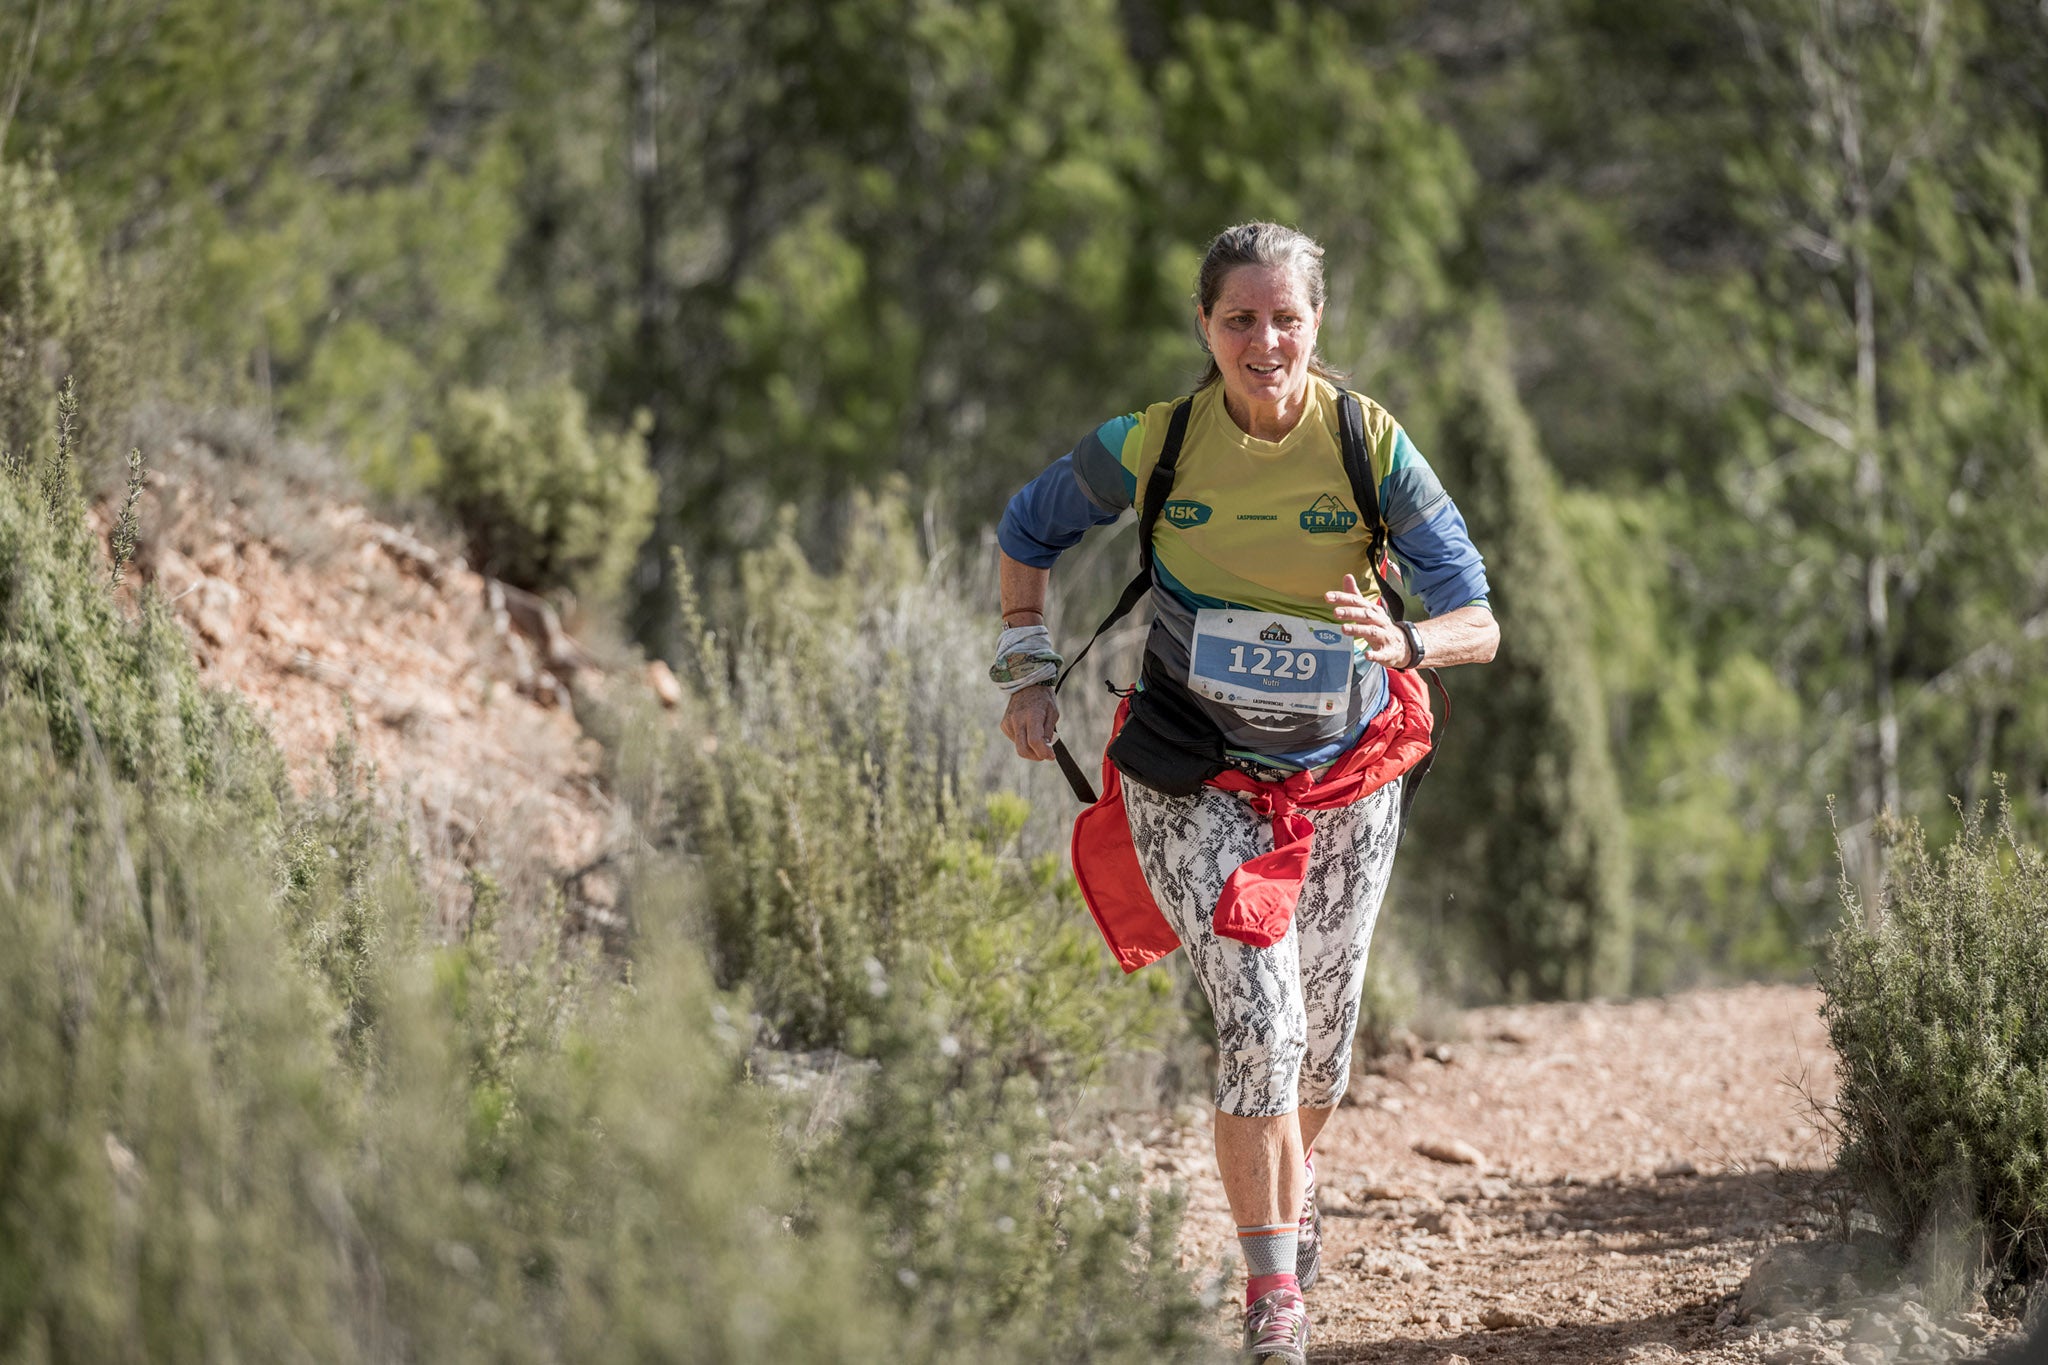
[1365, 491]
[1365, 488]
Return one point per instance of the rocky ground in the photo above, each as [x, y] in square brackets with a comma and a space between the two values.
[1588, 1183]
[456, 689]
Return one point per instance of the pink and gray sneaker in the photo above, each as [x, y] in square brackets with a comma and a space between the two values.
[1308, 1251]
[1276, 1328]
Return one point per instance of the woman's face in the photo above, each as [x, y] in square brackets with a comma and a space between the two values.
[1262, 332]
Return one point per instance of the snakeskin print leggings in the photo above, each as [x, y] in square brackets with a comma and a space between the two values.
[1285, 1014]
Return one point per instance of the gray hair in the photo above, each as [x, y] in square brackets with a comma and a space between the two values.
[1263, 244]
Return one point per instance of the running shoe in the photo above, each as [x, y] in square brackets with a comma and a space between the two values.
[1308, 1251]
[1276, 1328]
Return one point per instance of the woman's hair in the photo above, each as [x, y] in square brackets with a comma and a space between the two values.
[1263, 244]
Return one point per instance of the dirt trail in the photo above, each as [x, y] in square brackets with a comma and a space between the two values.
[1633, 1159]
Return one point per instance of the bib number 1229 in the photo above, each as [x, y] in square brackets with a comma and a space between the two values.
[1273, 663]
[1256, 662]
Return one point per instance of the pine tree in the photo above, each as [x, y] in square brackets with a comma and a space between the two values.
[1520, 827]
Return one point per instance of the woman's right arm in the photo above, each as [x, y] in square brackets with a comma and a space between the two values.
[1086, 487]
[1033, 716]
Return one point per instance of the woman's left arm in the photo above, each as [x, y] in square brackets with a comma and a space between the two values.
[1463, 635]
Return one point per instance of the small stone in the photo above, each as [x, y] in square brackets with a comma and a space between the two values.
[1448, 1222]
[1500, 1316]
[1654, 1353]
[1450, 1151]
[1803, 1353]
[1393, 1265]
[1864, 1353]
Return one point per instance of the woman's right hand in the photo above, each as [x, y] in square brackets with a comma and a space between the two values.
[1031, 721]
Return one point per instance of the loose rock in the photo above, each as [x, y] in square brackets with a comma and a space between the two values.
[1500, 1316]
[1394, 1265]
[1447, 1222]
[1450, 1151]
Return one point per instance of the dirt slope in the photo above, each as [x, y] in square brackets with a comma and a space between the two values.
[1632, 1161]
[457, 690]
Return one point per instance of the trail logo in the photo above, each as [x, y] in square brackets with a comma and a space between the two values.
[1184, 512]
[1276, 634]
[1326, 516]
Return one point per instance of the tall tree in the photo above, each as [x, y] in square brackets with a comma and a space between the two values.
[1892, 274]
[1520, 830]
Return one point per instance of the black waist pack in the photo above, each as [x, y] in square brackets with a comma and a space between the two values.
[1168, 742]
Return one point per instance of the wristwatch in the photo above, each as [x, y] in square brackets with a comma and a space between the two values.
[1415, 649]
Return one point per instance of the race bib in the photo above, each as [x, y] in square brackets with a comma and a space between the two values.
[1257, 661]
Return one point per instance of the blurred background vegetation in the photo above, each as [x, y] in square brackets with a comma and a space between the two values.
[1747, 293]
[1722, 320]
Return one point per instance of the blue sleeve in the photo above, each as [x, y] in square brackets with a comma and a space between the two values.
[1438, 559]
[1440, 562]
[1049, 515]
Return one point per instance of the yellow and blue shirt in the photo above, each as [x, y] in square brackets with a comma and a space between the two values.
[1264, 525]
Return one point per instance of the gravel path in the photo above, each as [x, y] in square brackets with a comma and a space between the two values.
[1615, 1170]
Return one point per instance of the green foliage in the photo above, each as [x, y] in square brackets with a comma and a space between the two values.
[1520, 825]
[44, 289]
[1004, 1252]
[867, 885]
[249, 1108]
[546, 501]
[1935, 1009]
[105, 691]
[1711, 737]
[313, 193]
[1888, 278]
[852, 827]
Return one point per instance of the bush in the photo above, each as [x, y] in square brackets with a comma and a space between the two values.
[545, 501]
[872, 885]
[837, 783]
[249, 1110]
[1936, 1011]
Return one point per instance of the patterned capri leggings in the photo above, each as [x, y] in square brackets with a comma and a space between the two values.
[1285, 1014]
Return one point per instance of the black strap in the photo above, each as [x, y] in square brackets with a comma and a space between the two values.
[1365, 488]
[1076, 778]
[1158, 489]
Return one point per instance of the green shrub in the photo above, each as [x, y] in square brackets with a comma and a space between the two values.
[872, 884]
[1937, 1014]
[837, 783]
[250, 1109]
[545, 501]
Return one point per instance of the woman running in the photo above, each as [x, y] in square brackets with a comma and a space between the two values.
[1253, 790]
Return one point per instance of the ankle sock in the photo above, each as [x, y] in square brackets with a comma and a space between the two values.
[1268, 1258]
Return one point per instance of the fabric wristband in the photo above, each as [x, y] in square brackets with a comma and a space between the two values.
[1024, 658]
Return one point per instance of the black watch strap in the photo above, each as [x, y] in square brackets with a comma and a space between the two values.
[1415, 649]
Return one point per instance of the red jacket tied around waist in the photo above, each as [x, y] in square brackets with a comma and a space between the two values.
[1259, 898]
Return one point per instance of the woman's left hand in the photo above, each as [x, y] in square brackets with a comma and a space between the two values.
[1365, 618]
